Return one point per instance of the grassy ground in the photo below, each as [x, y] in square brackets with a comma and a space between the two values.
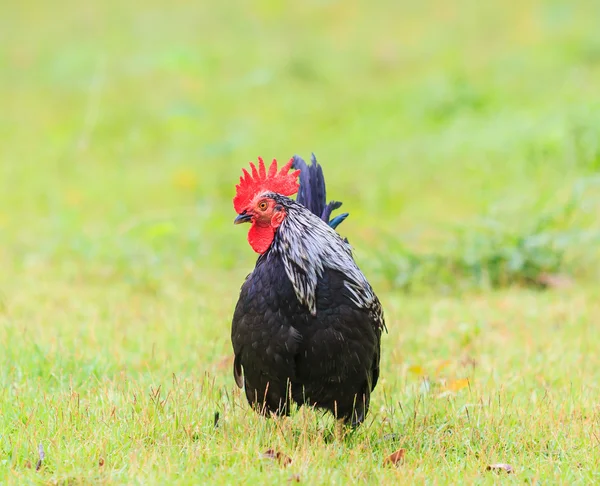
[123, 132]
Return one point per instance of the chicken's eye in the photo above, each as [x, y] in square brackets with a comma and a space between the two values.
[263, 205]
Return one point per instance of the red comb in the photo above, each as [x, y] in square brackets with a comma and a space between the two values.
[260, 181]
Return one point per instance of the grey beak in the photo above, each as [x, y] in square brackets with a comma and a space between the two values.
[242, 218]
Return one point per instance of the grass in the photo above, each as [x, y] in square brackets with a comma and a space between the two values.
[458, 136]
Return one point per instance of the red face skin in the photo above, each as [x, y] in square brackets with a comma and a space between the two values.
[265, 217]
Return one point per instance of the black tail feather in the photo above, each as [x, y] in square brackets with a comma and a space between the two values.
[312, 193]
[335, 222]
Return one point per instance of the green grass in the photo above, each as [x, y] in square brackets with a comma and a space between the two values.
[450, 131]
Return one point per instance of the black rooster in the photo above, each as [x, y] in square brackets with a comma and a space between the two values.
[307, 326]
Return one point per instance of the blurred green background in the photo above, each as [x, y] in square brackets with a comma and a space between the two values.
[124, 129]
[463, 138]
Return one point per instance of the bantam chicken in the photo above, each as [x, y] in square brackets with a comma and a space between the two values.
[307, 326]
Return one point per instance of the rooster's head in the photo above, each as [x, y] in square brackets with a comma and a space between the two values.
[256, 201]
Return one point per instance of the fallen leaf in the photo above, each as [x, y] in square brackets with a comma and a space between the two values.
[469, 361]
[456, 385]
[441, 366]
[42, 455]
[225, 363]
[395, 458]
[500, 467]
[390, 437]
[278, 456]
[554, 281]
[416, 370]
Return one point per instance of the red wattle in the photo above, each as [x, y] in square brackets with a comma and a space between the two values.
[261, 237]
